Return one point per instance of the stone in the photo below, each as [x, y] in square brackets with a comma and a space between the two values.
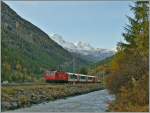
[5, 105]
[14, 105]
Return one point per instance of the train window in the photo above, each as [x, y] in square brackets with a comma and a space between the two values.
[82, 77]
[73, 77]
[90, 78]
[51, 73]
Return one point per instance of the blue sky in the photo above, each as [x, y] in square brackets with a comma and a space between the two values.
[99, 23]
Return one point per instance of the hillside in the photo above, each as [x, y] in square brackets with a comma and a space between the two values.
[101, 66]
[106, 61]
[27, 51]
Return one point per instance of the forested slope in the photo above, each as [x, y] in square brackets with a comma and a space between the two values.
[27, 51]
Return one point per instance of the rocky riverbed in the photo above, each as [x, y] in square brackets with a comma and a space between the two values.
[14, 97]
[96, 101]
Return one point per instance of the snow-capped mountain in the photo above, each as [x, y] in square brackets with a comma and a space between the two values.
[83, 46]
[83, 49]
[57, 38]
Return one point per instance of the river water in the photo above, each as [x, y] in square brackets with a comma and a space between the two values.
[92, 102]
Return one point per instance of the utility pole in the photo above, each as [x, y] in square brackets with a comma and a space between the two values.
[103, 78]
[73, 64]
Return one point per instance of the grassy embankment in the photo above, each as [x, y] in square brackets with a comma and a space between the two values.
[14, 97]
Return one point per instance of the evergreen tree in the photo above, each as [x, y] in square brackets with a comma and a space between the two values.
[130, 73]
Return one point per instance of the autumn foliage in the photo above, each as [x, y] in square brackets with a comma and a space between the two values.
[129, 78]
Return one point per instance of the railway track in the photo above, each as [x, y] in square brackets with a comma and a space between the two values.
[27, 84]
[33, 84]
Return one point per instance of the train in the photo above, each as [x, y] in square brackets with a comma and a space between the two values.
[65, 77]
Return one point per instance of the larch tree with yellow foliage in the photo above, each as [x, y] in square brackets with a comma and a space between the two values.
[129, 79]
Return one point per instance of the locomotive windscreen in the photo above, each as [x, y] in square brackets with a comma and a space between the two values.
[50, 73]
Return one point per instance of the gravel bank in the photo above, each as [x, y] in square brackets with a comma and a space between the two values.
[24, 96]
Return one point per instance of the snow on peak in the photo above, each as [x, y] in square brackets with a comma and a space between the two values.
[82, 48]
[69, 45]
[57, 38]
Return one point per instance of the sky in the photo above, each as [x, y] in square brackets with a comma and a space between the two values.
[99, 23]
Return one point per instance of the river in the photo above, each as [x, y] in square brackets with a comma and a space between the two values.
[96, 101]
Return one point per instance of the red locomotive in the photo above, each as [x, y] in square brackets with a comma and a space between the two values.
[56, 76]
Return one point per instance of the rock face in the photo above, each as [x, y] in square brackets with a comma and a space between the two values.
[84, 50]
[27, 48]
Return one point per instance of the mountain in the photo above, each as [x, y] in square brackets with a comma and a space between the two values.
[84, 50]
[27, 51]
[101, 66]
[106, 61]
